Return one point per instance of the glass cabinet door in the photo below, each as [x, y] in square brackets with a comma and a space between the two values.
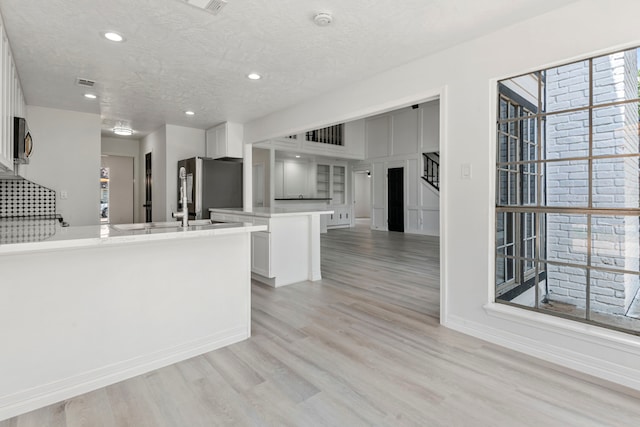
[338, 185]
[322, 182]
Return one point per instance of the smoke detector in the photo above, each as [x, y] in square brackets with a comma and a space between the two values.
[211, 6]
[323, 19]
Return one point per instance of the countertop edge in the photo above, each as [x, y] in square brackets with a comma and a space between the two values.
[125, 238]
[270, 214]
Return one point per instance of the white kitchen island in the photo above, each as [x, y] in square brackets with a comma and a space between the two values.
[289, 250]
[90, 306]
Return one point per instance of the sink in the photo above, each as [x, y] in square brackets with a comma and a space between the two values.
[200, 222]
[146, 225]
[169, 224]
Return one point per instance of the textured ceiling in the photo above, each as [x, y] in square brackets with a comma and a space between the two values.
[177, 57]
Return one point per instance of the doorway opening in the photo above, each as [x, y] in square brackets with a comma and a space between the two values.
[362, 197]
[104, 195]
[116, 186]
[395, 199]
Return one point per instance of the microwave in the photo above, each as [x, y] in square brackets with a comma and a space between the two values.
[22, 143]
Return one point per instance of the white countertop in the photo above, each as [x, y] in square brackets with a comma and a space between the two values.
[97, 235]
[271, 212]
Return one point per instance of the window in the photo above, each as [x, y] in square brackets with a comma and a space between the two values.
[568, 191]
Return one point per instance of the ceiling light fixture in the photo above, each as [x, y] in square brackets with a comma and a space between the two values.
[121, 130]
[90, 96]
[254, 76]
[190, 113]
[323, 19]
[113, 36]
[297, 156]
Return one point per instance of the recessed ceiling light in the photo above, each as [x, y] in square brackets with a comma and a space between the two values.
[113, 36]
[254, 76]
[120, 130]
[190, 113]
[90, 96]
[297, 156]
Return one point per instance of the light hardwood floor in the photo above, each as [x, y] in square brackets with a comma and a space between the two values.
[362, 347]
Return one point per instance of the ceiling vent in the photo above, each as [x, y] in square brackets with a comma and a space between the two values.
[85, 82]
[211, 6]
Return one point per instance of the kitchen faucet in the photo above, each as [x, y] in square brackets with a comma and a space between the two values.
[184, 214]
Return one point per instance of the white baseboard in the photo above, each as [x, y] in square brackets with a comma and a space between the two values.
[47, 394]
[581, 362]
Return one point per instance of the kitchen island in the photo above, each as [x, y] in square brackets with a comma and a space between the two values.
[90, 306]
[289, 250]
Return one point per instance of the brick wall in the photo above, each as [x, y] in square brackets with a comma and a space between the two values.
[615, 184]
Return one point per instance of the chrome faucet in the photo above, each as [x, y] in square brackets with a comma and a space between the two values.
[184, 214]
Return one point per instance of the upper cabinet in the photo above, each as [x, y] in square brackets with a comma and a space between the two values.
[225, 140]
[11, 100]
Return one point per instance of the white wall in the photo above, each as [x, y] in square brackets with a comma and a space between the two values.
[182, 143]
[129, 148]
[66, 157]
[398, 139]
[465, 78]
[156, 144]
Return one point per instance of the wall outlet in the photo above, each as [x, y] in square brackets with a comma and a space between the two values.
[64, 195]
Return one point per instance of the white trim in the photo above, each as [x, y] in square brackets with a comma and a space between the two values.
[493, 143]
[444, 256]
[563, 356]
[47, 394]
[592, 334]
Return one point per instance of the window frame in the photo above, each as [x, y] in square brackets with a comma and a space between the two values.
[541, 208]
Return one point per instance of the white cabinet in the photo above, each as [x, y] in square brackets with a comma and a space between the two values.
[288, 251]
[341, 217]
[331, 182]
[292, 179]
[295, 179]
[261, 253]
[338, 185]
[225, 140]
[11, 101]
[323, 181]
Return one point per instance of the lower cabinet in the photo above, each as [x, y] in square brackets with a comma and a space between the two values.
[261, 253]
[341, 217]
[288, 251]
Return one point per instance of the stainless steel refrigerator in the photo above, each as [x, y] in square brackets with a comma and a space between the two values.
[211, 183]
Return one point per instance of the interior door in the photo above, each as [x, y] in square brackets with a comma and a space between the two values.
[147, 188]
[395, 201]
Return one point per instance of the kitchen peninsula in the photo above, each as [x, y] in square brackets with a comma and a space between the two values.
[289, 250]
[93, 305]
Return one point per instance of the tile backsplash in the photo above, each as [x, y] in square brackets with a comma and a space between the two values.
[20, 198]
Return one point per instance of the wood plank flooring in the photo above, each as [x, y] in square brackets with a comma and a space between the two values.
[362, 347]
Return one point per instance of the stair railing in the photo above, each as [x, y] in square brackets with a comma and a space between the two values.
[432, 170]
